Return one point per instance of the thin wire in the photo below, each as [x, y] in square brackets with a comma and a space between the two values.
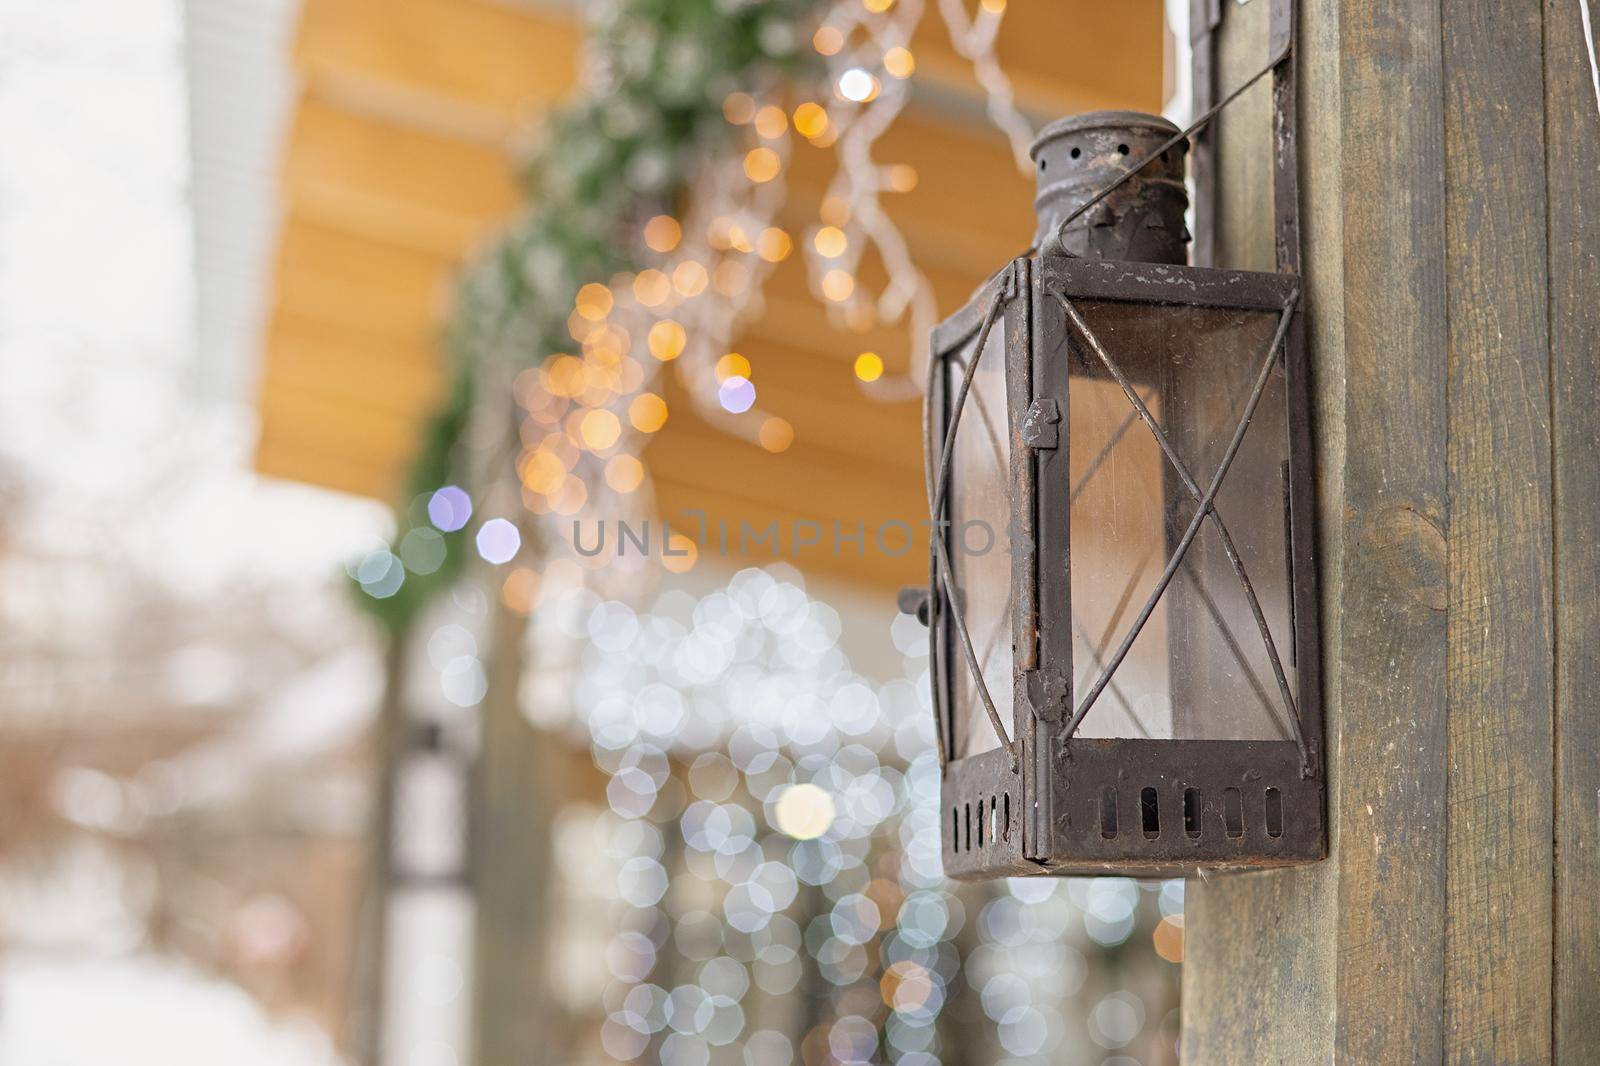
[1200, 514]
[1228, 546]
[1061, 227]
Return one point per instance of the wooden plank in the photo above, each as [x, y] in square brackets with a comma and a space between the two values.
[401, 183]
[1062, 57]
[1342, 962]
[348, 364]
[1244, 170]
[330, 273]
[1260, 960]
[1572, 153]
[366, 436]
[971, 209]
[827, 408]
[498, 62]
[790, 481]
[279, 455]
[1389, 796]
[1497, 996]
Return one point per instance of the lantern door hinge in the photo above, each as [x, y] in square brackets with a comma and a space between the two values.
[1049, 694]
[1011, 285]
[1040, 426]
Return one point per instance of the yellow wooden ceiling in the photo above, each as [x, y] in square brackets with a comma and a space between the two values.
[398, 164]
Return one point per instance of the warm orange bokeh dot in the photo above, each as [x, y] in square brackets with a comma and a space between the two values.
[837, 285]
[667, 339]
[762, 164]
[774, 245]
[680, 555]
[647, 412]
[828, 40]
[899, 62]
[652, 288]
[902, 178]
[600, 430]
[1169, 939]
[905, 986]
[690, 278]
[520, 590]
[662, 233]
[732, 365]
[771, 122]
[544, 471]
[775, 435]
[810, 120]
[830, 241]
[594, 301]
[563, 375]
[624, 473]
[869, 366]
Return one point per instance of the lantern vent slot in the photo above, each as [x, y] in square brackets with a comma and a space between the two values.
[1150, 812]
[955, 829]
[1233, 812]
[967, 812]
[1191, 813]
[980, 822]
[1005, 828]
[1108, 814]
[1274, 805]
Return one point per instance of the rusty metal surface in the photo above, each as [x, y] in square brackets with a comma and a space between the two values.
[1051, 802]
[1206, 810]
[1057, 790]
[1142, 220]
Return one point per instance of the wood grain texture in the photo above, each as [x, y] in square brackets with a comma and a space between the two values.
[1260, 963]
[1343, 962]
[1572, 154]
[489, 65]
[1389, 795]
[1500, 664]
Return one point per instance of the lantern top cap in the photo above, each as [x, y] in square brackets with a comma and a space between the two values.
[1096, 120]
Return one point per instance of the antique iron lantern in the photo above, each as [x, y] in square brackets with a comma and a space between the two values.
[1133, 687]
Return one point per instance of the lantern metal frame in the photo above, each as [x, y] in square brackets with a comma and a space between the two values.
[1038, 804]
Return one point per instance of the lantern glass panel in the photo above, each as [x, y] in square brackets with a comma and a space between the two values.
[1200, 666]
[980, 514]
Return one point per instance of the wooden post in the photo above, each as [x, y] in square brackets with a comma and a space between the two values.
[1450, 187]
[518, 789]
[370, 963]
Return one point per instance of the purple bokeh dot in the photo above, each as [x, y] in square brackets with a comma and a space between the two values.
[449, 508]
[736, 395]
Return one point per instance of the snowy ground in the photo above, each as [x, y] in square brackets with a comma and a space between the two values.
[60, 1009]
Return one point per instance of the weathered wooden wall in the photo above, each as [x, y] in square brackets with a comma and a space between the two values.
[1451, 212]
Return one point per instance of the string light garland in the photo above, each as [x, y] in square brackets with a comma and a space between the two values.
[588, 297]
[649, 123]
